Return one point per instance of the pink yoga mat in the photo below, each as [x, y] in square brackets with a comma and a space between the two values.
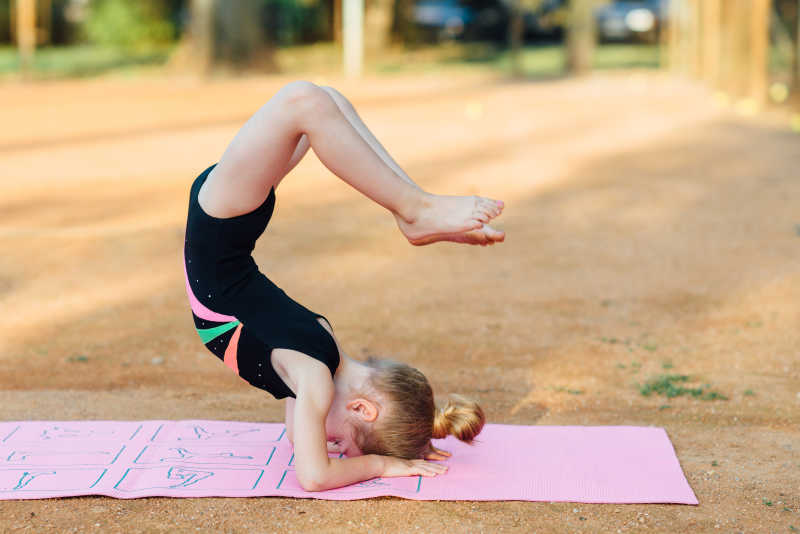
[129, 459]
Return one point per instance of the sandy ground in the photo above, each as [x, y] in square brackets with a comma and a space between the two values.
[648, 232]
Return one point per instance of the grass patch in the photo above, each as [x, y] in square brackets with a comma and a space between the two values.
[536, 61]
[666, 365]
[79, 60]
[562, 389]
[766, 502]
[671, 386]
[749, 393]
[714, 463]
[78, 358]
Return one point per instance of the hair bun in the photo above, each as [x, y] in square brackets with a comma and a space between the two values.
[461, 417]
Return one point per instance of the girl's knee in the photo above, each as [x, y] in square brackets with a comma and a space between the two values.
[307, 97]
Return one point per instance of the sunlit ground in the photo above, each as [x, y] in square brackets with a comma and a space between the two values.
[649, 233]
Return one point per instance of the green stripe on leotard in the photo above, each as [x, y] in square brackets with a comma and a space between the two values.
[207, 334]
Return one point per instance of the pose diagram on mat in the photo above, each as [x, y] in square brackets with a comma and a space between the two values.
[379, 413]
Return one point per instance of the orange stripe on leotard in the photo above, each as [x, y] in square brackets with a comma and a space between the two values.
[230, 352]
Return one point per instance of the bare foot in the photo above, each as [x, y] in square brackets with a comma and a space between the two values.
[485, 235]
[451, 218]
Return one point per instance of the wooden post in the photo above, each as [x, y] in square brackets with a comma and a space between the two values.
[760, 11]
[46, 15]
[796, 73]
[711, 45]
[580, 37]
[673, 36]
[337, 21]
[26, 34]
[739, 48]
[694, 44]
[515, 38]
[353, 37]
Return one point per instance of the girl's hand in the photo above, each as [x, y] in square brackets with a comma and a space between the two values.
[398, 467]
[436, 454]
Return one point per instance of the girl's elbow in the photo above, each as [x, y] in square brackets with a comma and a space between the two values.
[309, 483]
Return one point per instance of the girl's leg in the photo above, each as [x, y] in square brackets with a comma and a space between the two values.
[485, 235]
[270, 143]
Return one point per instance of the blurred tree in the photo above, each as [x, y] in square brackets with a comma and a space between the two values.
[129, 25]
[26, 34]
[224, 34]
[796, 56]
[581, 36]
[516, 30]
[378, 19]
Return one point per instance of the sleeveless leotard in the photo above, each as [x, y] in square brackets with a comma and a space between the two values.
[238, 312]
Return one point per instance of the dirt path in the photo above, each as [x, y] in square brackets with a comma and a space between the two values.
[648, 232]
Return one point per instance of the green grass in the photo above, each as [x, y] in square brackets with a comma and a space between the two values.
[325, 58]
[543, 61]
[79, 61]
[668, 385]
[562, 389]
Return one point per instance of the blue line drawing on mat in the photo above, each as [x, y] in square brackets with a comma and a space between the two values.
[11, 434]
[186, 476]
[221, 455]
[203, 434]
[189, 479]
[157, 431]
[137, 431]
[186, 454]
[100, 477]
[21, 456]
[28, 476]
[214, 431]
[29, 457]
[56, 432]
[49, 480]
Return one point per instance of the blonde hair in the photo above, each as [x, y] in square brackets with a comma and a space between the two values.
[411, 418]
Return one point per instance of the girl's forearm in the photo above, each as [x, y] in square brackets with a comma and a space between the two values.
[345, 471]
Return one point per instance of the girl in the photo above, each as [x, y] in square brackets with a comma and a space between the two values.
[379, 413]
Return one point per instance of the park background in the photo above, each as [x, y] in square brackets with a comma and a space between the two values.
[649, 158]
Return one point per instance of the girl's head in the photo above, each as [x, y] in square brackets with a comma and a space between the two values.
[408, 417]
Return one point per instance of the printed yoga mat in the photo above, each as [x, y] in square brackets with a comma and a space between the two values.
[129, 459]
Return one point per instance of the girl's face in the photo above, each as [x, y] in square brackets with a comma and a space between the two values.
[339, 429]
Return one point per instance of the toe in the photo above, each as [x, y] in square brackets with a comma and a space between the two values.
[492, 234]
[489, 207]
[481, 216]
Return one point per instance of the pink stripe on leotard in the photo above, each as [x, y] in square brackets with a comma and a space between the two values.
[197, 306]
[230, 352]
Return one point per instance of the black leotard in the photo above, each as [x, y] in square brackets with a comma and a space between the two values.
[238, 312]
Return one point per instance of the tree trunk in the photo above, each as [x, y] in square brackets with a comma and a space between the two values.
[516, 29]
[378, 25]
[710, 40]
[796, 64]
[759, 48]
[26, 35]
[225, 34]
[580, 37]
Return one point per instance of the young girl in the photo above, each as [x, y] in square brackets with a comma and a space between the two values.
[379, 413]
